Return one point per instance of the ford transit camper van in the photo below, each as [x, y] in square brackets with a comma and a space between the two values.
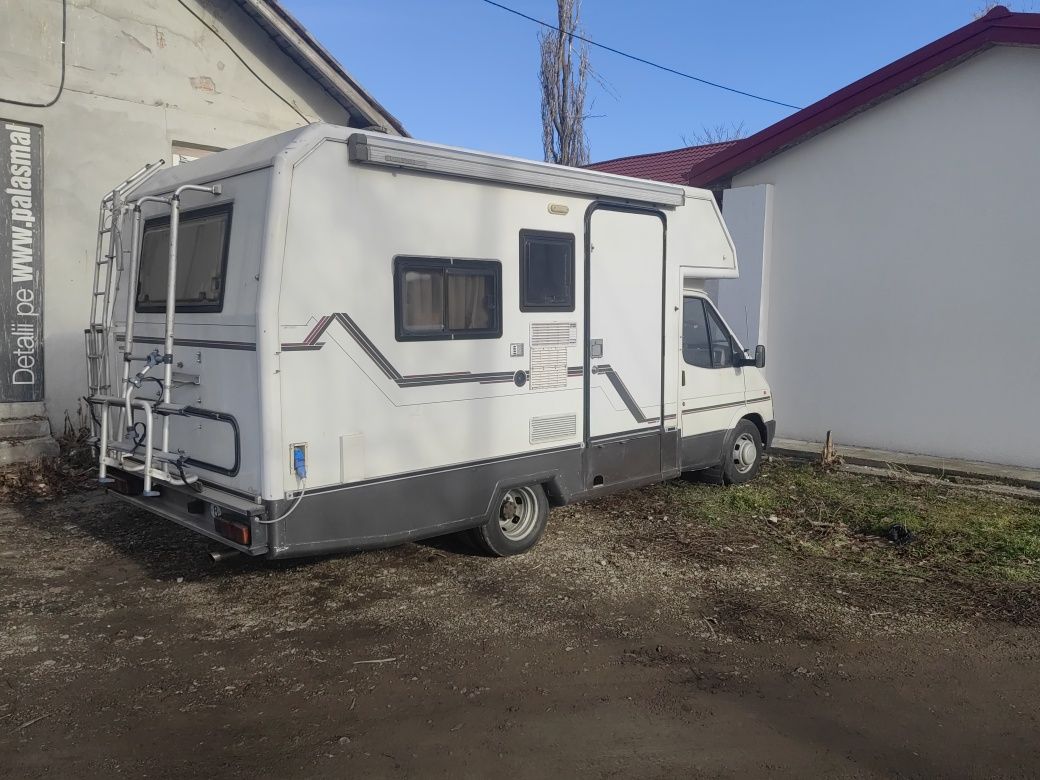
[334, 339]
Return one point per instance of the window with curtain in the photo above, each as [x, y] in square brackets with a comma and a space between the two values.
[447, 298]
[202, 246]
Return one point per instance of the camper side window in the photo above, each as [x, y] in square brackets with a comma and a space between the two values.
[447, 298]
[202, 250]
[546, 271]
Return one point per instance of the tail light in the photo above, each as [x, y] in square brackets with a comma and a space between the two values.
[235, 530]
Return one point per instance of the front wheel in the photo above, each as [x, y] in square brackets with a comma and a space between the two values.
[742, 458]
[516, 524]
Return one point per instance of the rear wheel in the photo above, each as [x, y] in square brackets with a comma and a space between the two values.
[516, 524]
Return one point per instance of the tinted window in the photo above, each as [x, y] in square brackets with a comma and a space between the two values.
[546, 271]
[202, 245]
[696, 348]
[447, 298]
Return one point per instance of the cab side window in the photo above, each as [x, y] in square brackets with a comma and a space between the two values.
[696, 348]
[721, 343]
[705, 341]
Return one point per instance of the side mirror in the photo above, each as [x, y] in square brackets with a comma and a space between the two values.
[758, 361]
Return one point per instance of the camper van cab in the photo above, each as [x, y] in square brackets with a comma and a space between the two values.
[334, 339]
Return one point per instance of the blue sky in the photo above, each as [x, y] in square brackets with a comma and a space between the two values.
[465, 73]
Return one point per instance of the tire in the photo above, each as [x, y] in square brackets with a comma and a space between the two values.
[518, 534]
[742, 456]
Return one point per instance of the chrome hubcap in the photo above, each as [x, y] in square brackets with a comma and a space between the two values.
[745, 453]
[517, 514]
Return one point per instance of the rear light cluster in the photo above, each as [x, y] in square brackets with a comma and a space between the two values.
[234, 528]
[230, 526]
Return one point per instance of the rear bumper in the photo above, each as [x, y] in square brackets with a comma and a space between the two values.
[195, 510]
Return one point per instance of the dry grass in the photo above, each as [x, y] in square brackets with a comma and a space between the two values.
[74, 470]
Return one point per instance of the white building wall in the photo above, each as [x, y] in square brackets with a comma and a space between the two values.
[141, 75]
[904, 301]
[748, 215]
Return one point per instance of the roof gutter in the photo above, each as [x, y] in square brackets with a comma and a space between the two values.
[320, 64]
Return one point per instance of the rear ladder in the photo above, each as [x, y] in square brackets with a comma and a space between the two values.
[108, 255]
[123, 452]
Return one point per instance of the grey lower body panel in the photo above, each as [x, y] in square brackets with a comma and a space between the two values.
[382, 513]
[389, 511]
[702, 450]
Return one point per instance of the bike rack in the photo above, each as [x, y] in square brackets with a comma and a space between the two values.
[124, 453]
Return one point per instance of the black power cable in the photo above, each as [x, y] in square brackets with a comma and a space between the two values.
[643, 61]
[61, 83]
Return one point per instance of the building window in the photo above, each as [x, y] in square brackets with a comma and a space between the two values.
[447, 298]
[184, 153]
[546, 271]
[202, 250]
[706, 343]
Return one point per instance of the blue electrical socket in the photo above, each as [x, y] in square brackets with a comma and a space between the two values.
[299, 457]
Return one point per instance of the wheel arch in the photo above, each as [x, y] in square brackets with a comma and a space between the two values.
[756, 419]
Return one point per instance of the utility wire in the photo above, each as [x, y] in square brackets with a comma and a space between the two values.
[61, 83]
[643, 61]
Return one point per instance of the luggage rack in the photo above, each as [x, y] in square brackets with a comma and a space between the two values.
[133, 452]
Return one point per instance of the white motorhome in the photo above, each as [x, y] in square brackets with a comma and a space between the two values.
[333, 339]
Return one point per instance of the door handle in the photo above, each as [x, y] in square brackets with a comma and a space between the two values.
[684, 378]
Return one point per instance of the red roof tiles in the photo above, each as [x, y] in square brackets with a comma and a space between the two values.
[673, 166]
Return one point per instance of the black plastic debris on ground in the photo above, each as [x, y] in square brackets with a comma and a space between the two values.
[898, 533]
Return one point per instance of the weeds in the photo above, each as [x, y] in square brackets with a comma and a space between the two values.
[829, 513]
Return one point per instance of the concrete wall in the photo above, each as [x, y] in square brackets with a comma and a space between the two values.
[141, 75]
[905, 275]
[748, 215]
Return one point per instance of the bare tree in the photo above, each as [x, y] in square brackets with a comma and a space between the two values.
[716, 134]
[563, 74]
[985, 8]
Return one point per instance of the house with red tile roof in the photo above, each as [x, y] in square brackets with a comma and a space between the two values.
[889, 246]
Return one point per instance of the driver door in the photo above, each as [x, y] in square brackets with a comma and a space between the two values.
[711, 387]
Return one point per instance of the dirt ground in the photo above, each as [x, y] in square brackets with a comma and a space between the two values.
[639, 639]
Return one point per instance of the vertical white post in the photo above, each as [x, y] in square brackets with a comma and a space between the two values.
[171, 311]
[103, 446]
[148, 418]
[131, 304]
